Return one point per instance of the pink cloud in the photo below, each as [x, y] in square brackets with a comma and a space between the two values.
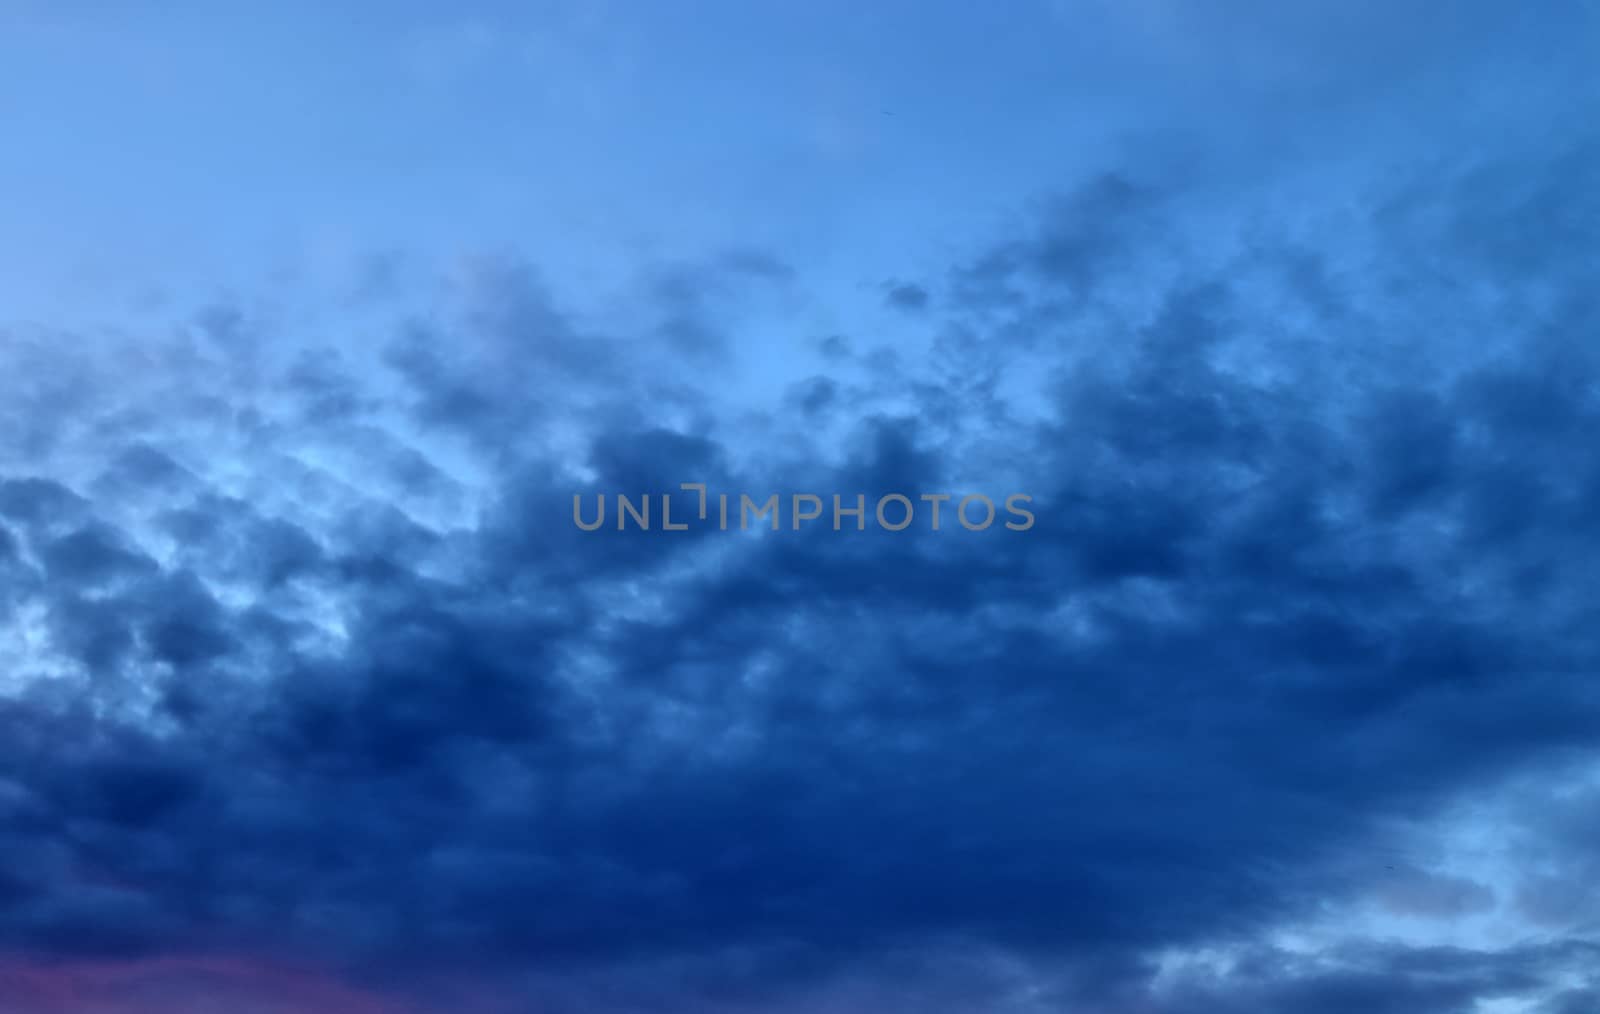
[184, 985]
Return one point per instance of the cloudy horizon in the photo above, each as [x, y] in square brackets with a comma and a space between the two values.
[315, 320]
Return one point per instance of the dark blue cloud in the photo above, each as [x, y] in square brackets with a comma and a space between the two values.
[307, 660]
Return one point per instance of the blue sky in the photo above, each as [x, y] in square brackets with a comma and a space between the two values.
[315, 318]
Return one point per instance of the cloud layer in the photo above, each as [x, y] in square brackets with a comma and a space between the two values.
[316, 699]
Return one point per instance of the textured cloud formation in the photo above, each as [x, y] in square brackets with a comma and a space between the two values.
[314, 697]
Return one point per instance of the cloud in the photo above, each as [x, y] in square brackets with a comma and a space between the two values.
[315, 667]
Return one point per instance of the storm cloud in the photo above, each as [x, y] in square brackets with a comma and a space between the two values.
[315, 698]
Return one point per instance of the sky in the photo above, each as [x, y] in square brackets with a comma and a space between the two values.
[316, 321]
